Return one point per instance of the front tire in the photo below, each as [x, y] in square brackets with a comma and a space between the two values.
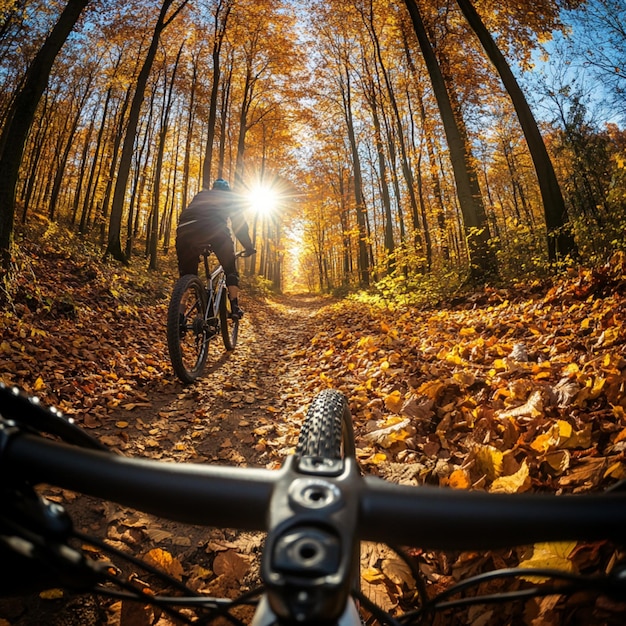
[327, 432]
[187, 339]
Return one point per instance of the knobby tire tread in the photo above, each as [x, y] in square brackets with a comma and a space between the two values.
[322, 430]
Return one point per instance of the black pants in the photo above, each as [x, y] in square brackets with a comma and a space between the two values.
[190, 243]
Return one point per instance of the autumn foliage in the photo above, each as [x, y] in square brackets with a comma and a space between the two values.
[504, 390]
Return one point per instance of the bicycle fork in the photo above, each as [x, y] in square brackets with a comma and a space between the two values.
[214, 300]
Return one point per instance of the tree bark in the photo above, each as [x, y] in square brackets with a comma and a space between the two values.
[20, 120]
[560, 240]
[481, 257]
[114, 243]
[218, 39]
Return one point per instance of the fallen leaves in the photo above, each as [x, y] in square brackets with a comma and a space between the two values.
[508, 391]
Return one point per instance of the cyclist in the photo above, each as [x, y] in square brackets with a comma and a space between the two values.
[205, 223]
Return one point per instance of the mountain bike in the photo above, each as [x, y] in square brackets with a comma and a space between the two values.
[315, 509]
[198, 313]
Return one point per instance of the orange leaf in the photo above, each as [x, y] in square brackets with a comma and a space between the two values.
[165, 561]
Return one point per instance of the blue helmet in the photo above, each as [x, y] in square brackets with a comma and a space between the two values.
[222, 184]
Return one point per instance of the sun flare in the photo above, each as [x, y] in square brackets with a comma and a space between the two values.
[263, 200]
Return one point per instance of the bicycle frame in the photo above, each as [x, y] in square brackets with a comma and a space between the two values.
[215, 287]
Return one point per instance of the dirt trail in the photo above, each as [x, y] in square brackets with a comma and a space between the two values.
[245, 411]
[243, 397]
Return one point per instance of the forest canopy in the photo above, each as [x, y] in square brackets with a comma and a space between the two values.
[412, 146]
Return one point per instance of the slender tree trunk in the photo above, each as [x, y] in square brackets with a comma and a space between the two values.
[165, 119]
[58, 177]
[218, 39]
[481, 257]
[190, 121]
[83, 170]
[363, 258]
[20, 119]
[95, 168]
[560, 240]
[114, 243]
[224, 110]
[389, 243]
[115, 150]
[404, 157]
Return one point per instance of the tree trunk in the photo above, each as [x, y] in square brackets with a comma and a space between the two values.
[363, 258]
[481, 257]
[165, 119]
[58, 177]
[218, 39]
[560, 240]
[20, 120]
[389, 242]
[114, 243]
[190, 122]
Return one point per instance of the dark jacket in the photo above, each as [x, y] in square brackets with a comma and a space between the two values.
[209, 213]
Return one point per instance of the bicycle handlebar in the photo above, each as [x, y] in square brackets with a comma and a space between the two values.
[428, 517]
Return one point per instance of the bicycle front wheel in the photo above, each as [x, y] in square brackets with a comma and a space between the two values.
[187, 336]
[228, 324]
[327, 432]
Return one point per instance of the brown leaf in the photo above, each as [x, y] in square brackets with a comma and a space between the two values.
[231, 564]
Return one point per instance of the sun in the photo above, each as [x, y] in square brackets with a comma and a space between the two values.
[263, 200]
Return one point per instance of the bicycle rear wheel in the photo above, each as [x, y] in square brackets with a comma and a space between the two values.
[187, 336]
[327, 431]
[229, 326]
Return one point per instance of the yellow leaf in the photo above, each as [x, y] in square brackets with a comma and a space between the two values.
[499, 365]
[544, 442]
[39, 384]
[608, 337]
[560, 433]
[565, 429]
[377, 459]
[512, 483]
[558, 460]
[367, 342]
[617, 470]
[371, 575]
[464, 378]
[533, 407]
[466, 332]
[121, 424]
[455, 359]
[51, 594]
[431, 389]
[165, 562]
[553, 555]
[598, 386]
[489, 461]
[580, 438]
[393, 401]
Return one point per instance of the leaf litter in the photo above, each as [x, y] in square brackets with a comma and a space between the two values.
[504, 391]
